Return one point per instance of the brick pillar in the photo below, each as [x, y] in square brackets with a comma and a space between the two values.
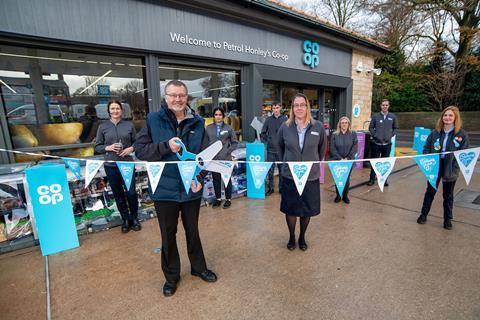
[362, 88]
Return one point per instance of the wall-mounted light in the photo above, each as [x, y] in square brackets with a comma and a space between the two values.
[359, 67]
[376, 71]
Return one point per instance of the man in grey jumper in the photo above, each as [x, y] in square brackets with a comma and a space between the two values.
[383, 127]
[268, 137]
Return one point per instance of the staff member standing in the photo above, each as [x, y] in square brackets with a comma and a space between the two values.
[157, 142]
[301, 138]
[115, 138]
[219, 130]
[269, 137]
[343, 146]
[447, 136]
[383, 127]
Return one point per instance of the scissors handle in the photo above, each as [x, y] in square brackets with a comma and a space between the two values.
[184, 155]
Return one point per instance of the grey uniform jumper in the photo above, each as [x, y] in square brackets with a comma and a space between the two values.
[382, 129]
[343, 145]
[228, 138]
[109, 133]
[269, 132]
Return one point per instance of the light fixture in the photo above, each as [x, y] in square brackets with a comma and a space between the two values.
[95, 82]
[376, 71]
[359, 67]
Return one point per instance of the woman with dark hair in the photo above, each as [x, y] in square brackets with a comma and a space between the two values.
[115, 138]
[448, 135]
[343, 146]
[301, 138]
[219, 130]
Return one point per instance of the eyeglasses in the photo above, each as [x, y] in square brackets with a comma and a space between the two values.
[180, 96]
[302, 105]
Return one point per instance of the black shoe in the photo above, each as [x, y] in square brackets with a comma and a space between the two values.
[135, 225]
[206, 275]
[447, 224]
[346, 200]
[227, 204]
[337, 199]
[125, 226]
[422, 219]
[370, 182]
[169, 289]
[291, 245]
[386, 184]
[302, 245]
[216, 204]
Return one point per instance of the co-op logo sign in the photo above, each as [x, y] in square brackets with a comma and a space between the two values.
[310, 53]
[50, 194]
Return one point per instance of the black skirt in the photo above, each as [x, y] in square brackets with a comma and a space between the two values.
[306, 205]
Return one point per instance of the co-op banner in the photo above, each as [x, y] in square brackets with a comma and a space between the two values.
[52, 208]
[257, 172]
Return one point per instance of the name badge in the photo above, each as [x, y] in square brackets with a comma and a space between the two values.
[381, 121]
[192, 132]
[390, 119]
[315, 133]
[224, 131]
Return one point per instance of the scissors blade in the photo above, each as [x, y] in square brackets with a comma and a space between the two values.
[209, 153]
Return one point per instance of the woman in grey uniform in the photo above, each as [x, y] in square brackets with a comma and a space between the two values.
[343, 146]
[301, 138]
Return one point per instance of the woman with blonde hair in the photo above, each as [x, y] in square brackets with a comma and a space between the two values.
[448, 135]
[300, 138]
[343, 146]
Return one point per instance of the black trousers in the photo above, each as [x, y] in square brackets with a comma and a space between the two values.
[345, 190]
[379, 151]
[167, 215]
[217, 186]
[448, 187]
[126, 200]
[273, 156]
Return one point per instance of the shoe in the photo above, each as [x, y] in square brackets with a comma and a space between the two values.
[269, 192]
[227, 204]
[337, 199]
[422, 219]
[291, 245]
[135, 225]
[207, 275]
[169, 289]
[346, 200]
[370, 183]
[447, 224]
[125, 226]
[216, 204]
[302, 245]
[386, 184]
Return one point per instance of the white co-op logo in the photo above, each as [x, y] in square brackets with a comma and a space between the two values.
[255, 158]
[50, 194]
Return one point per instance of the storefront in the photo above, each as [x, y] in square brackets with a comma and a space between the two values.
[62, 61]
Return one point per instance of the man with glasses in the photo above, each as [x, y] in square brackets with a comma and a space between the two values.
[157, 142]
[269, 137]
[383, 127]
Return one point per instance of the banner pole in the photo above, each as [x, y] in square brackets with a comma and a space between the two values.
[47, 286]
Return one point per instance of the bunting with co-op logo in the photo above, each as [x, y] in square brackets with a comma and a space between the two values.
[154, 171]
[187, 172]
[429, 164]
[467, 160]
[259, 171]
[126, 169]
[300, 172]
[225, 168]
[74, 165]
[340, 171]
[91, 169]
[382, 167]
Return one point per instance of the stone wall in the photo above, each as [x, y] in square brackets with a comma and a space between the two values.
[362, 88]
[410, 120]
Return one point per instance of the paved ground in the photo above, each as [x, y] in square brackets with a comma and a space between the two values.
[366, 260]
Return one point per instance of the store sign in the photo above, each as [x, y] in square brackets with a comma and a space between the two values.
[310, 53]
[52, 208]
[227, 46]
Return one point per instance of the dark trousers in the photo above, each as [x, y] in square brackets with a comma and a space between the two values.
[126, 200]
[379, 151]
[448, 187]
[217, 186]
[345, 190]
[167, 215]
[272, 156]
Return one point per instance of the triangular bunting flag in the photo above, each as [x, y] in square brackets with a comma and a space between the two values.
[300, 172]
[187, 172]
[429, 164]
[259, 171]
[91, 169]
[154, 171]
[340, 171]
[225, 168]
[74, 165]
[467, 160]
[126, 169]
[382, 167]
